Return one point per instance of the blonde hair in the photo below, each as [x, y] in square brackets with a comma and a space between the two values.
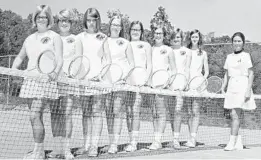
[65, 14]
[43, 9]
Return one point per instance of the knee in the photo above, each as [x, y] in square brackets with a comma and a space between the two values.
[34, 116]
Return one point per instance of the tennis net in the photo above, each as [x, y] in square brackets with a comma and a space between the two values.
[16, 132]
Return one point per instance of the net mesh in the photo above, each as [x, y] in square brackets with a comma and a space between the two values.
[16, 134]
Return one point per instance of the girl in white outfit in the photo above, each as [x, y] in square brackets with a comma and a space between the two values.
[198, 62]
[72, 47]
[40, 92]
[142, 57]
[162, 58]
[121, 54]
[96, 48]
[238, 79]
[183, 59]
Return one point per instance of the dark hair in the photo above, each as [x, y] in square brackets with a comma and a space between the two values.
[122, 32]
[141, 28]
[174, 34]
[200, 42]
[165, 41]
[92, 12]
[239, 34]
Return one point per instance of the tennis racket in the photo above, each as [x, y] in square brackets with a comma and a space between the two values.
[137, 76]
[198, 83]
[214, 84]
[178, 82]
[160, 79]
[110, 73]
[79, 67]
[46, 62]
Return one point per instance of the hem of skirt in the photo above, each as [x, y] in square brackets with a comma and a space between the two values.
[38, 97]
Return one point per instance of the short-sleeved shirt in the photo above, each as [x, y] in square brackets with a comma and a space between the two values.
[238, 64]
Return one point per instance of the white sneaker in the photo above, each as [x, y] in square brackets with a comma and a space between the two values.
[113, 149]
[35, 156]
[239, 144]
[155, 146]
[131, 148]
[176, 144]
[82, 150]
[191, 143]
[231, 144]
[93, 151]
[68, 155]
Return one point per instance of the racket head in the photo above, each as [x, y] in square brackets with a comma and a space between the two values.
[214, 84]
[198, 83]
[79, 67]
[111, 73]
[178, 82]
[46, 62]
[137, 76]
[160, 79]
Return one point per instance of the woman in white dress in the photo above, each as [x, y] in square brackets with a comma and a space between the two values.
[121, 54]
[162, 58]
[62, 125]
[183, 59]
[238, 79]
[198, 62]
[96, 48]
[40, 92]
[142, 58]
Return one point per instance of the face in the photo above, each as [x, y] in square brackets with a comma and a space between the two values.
[41, 21]
[158, 35]
[116, 27]
[237, 43]
[177, 40]
[64, 25]
[91, 23]
[135, 32]
[195, 38]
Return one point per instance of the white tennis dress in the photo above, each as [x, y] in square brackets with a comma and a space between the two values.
[181, 57]
[93, 49]
[160, 59]
[118, 48]
[68, 55]
[140, 58]
[237, 66]
[197, 62]
[34, 45]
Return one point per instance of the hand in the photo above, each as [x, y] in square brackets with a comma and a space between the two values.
[53, 76]
[122, 81]
[96, 79]
[247, 95]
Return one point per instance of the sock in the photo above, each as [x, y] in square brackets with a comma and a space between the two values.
[87, 142]
[66, 144]
[95, 141]
[131, 136]
[135, 136]
[158, 137]
[38, 147]
[193, 135]
[232, 140]
[57, 145]
[116, 139]
[111, 138]
[175, 135]
[239, 144]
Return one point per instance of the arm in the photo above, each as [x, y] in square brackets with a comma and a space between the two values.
[172, 63]
[58, 45]
[206, 68]
[149, 59]
[188, 62]
[225, 81]
[78, 47]
[107, 52]
[19, 58]
[250, 79]
[129, 54]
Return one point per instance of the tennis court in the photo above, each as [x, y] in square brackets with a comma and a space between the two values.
[17, 139]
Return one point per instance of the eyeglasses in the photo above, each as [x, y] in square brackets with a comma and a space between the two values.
[136, 30]
[91, 20]
[116, 25]
[158, 33]
[65, 21]
[41, 17]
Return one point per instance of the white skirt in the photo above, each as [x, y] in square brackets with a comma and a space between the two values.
[235, 96]
[32, 88]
